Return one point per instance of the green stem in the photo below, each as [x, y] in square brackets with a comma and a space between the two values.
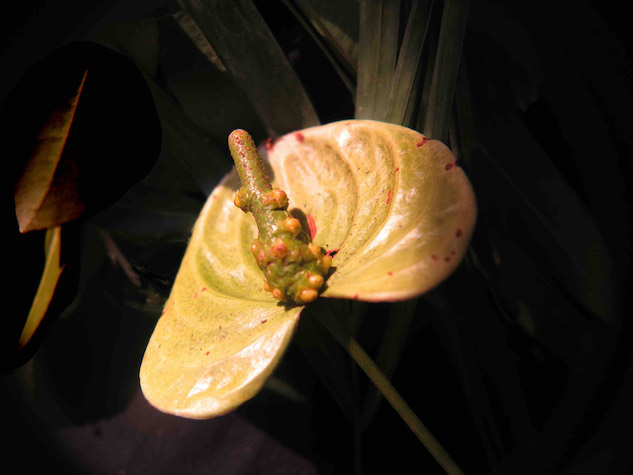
[389, 392]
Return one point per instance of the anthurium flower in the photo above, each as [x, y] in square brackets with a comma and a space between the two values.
[390, 207]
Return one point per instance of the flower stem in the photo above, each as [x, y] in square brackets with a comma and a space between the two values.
[377, 377]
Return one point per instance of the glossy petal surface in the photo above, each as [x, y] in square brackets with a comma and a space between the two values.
[393, 204]
[220, 335]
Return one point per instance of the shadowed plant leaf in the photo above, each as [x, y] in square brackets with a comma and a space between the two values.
[391, 347]
[44, 287]
[82, 128]
[187, 136]
[43, 198]
[192, 30]
[452, 31]
[340, 19]
[257, 63]
[378, 53]
[392, 204]
[542, 212]
[402, 90]
[203, 88]
[53, 269]
[323, 37]
[137, 40]
[328, 360]
[338, 330]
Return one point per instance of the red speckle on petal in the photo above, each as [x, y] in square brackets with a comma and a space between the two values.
[422, 142]
[390, 273]
[207, 353]
[448, 166]
[458, 233]
[398, 169]
[264, 320]
[312, 226]
[331, 253]
[434, 257]
[447, 258]
[270, 143]
[388, 196]
[195, 295]
[300, 137]
[355, 297]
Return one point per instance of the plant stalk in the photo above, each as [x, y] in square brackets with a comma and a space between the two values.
[390, 394]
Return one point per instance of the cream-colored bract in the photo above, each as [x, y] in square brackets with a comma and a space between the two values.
[393, 205]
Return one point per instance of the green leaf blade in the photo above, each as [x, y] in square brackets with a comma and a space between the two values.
[378, 53]
[402, 91]
[249, 51]
[321, 35]
[444, 80]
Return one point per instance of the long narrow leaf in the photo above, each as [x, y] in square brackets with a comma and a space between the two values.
[416, 113]
[464, 138]
[480, 354]
[249, 51]
[378, 44]
[186, 142]
[328, 362]
[53, 269]
[391, 347]
[452, 32]
[328, 45]
[550, 215]
[342, 335]
[402, 87]
[192, 30]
